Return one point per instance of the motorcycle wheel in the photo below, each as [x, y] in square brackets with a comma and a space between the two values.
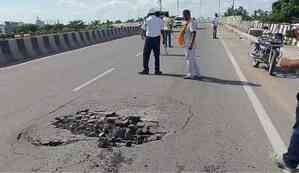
[272, 64]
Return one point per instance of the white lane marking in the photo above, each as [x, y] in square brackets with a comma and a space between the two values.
[93, 80]
[276, 141]
[139, 54]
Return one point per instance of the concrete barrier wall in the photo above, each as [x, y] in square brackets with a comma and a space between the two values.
[79, 40]
[99, 36]
[53, 44]
[83, 38]
[93, 37]
[28, 44]
[42, 46]
[3, 59]
[5, 53]
[14, 50]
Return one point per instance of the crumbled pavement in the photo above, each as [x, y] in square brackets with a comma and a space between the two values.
[111, 128]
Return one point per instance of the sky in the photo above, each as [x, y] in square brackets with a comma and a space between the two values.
[88, 10]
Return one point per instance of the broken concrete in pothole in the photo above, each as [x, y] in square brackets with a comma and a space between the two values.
[111, 129]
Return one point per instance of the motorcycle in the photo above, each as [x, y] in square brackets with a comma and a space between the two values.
[267, 50]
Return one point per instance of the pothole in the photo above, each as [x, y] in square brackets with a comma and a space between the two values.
[112, 129]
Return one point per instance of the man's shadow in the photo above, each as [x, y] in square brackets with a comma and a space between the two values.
[217, 80]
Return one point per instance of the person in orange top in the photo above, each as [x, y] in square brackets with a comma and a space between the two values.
[190, 45]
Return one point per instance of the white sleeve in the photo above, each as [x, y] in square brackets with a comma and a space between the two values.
[144, 25]
[193, 26]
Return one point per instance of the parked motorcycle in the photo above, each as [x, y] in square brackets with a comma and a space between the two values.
[267, 50]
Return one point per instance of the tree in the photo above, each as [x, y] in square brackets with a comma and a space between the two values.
[140, 19]
[241, 11]
[261, 15]
[95, 24]
[285, 10]
[130, 20]
[27, 28]
[77, 25]
[58, 27]
[118, 22]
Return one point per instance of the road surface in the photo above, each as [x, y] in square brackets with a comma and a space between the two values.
[232, 125]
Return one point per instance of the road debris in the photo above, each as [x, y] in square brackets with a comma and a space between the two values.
[111, 129]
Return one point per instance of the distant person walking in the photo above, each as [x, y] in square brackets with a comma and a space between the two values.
[215, 24]
[152, 28]
[168, 26]
[290, 160]
[189, 31]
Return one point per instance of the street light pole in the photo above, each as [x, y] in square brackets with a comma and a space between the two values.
[160, 4]
[234, 6]
[178, 7]
[219, 10]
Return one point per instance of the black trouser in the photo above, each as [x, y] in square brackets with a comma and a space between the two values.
[291, 158]
[215, 28]
[167, 38]
[151, 43]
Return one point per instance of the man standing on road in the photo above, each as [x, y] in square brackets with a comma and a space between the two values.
[215, 24]
[152, 27]
[290, 159]
[189, 31]
[168, 25]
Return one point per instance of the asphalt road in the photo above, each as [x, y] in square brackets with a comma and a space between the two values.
[226, 129]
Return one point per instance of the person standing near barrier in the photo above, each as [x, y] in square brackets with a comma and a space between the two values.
[152, 28]
[190, 46]
[215, 24]
[168, 25]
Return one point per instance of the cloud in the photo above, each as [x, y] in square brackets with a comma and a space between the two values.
[72, 3]
[66, 10]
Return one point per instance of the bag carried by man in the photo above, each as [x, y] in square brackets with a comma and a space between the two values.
[181, 37]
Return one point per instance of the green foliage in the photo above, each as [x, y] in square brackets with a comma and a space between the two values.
[57, 27]
[130, 20]
[77, 25]
[291, 34]
[140, 19]
[285, 10]
[27, 28]
[118, 22]
[95, 24]
[241, 11]
[261, 15]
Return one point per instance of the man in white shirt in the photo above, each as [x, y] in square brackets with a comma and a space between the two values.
[152, 28]
[215, 24]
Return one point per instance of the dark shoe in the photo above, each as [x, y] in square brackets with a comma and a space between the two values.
[144, 72]
[281, 164]
[158, 73]
[196, 78]
[192, 77]
[188, 77]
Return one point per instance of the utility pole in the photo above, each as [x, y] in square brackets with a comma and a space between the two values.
[178, 7]
[200, 8]
[233, 7]
[160, 4]
[219, 10]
